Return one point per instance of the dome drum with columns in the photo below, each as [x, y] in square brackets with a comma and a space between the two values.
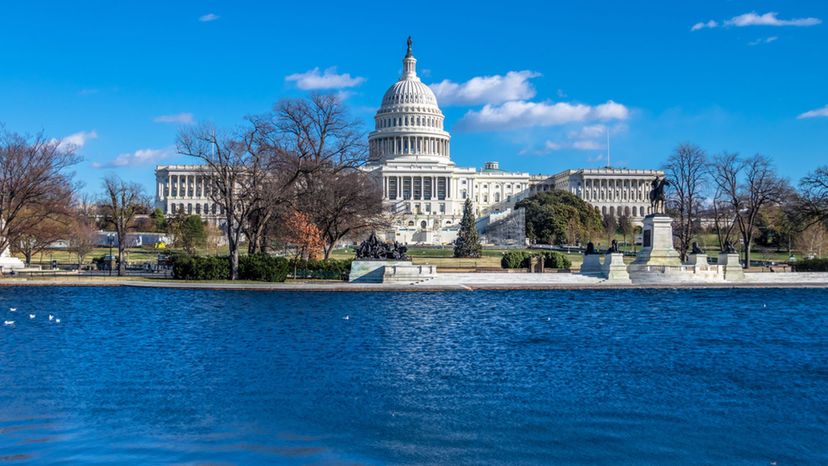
[424, 191]
[409, 123]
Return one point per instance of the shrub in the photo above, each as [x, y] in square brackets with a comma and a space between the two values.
[200, 268]
[259, 267]
[264, 268]
[331, 269]
[556, 260]
[514, 260]
[812, 265]
[521, 259]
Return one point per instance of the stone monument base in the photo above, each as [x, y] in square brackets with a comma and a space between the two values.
[731, 266]
[592, 265]
[657, 246]
[614, 268]
[698, 260]
[389, 271]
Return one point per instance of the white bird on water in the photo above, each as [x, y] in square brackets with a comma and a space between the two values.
[8, 322]
[12, 309]
[31, 316]
[51, 317]
[57, 321]
[346, 318]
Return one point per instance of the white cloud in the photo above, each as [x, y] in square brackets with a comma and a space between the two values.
[76, 140]
[587, 145]
[816, 113]
[137, 158]
[522, 114]
[208, 17]
[765, 40]
[589, 132]
[329, 79]
[178, 118]
[495, 89]
[769, 19]
[552, 145]
[702, 25]
[755, 19]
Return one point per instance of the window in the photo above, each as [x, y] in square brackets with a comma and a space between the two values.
[423, 224]
[497, 197]
[411, 223]
[442, 208]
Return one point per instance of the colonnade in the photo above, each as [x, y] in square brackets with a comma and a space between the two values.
[418, 188]
[410, 145]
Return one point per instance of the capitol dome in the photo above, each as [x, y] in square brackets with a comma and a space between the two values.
[409, 122]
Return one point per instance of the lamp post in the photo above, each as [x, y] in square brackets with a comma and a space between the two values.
[111, 238]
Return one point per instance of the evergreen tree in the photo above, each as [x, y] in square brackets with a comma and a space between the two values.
[467, 243]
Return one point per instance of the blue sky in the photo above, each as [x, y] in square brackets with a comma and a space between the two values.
[535, 86]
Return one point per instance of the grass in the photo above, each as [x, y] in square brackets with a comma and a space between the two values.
[439, 256]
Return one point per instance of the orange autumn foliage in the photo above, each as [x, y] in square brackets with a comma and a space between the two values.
[300, 231]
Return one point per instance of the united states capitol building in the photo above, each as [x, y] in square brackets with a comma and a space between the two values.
[422, 188]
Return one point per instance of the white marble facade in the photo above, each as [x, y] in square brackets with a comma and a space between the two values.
[423, 190]
[186, 188]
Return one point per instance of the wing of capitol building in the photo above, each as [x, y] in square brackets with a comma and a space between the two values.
[422, 188]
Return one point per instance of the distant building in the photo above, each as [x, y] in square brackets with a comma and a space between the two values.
[422, 188]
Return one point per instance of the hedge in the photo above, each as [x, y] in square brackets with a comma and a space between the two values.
[257, 267]
[812, 265]
[520, 260]
[263, 268]
[331, 269]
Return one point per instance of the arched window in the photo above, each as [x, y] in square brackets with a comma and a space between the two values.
[423, 224]
[411, 223]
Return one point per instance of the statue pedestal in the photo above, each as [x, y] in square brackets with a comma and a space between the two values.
[731, 267]
[592, 265]
[614, 268]
[697, 260]
[389, 271]
[657, 246]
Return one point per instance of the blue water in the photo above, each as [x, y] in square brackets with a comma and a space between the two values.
[563, 377]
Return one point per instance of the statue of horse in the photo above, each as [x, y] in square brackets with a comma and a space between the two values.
[657, 196]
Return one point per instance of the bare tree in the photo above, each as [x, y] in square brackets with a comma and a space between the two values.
[347, 203]
[41, 236]
[34, 182]
[813, 240]
[610, 224]
[232, 167]
[625, 225]
[121, 202]
[749, 186]
[84, 238]
[724, 171]
[813, 189]
[686, 169]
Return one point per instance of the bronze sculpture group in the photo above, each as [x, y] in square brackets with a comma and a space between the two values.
[374, 249]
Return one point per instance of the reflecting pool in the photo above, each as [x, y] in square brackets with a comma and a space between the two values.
[135, 375]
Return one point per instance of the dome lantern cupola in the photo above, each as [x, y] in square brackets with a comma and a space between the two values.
[409, 64]
[409, 123]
